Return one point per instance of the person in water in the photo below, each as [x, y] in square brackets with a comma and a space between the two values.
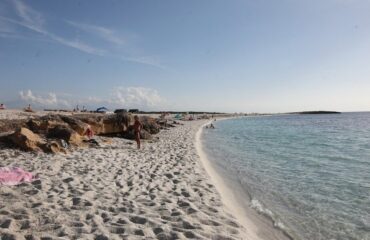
[137, 128]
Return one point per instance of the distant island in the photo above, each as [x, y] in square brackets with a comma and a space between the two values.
[316, 112]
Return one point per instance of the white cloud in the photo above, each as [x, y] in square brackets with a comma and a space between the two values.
[78, 45]
[105, 33]
[48, 100]
[137, 97]
[34, 21]
[110, 35]
[148, 60]
[29, 16]
[120, 97]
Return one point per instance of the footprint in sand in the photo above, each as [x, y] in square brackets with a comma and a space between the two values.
[5, 223]
[117, 230]
[6, 236]
[67, 180]
[101, 237]
[138, 220]
[139, 232]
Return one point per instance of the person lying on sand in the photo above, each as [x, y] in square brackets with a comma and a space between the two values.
[137, 128]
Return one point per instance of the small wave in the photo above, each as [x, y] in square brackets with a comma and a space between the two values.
[298, 171]
[258, 206]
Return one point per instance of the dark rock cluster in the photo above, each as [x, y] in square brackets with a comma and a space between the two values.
[53, 133]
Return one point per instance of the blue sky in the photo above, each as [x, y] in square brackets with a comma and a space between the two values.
[239, 55]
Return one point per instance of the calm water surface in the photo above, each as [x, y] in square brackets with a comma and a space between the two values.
[309, 173]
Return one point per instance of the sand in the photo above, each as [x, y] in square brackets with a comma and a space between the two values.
[118, 192]
[15, 114]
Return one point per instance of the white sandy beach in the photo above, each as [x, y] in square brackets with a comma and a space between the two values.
[117, 192]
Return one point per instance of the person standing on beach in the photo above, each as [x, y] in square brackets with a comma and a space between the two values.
[137, 128]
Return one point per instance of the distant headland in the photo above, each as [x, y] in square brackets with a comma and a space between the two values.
[316, 112]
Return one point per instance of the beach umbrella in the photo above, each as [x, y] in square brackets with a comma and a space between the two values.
[102, 109]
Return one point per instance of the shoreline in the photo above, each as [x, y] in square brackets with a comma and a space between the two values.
[257, 226]
[115, 191]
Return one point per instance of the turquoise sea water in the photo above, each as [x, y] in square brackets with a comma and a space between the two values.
[309, 173]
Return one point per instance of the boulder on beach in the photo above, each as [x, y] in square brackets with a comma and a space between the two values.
[54, 146]
[112, 124]
[164, 124]
[150, 124]
[130, 134]
[65, 133]
[47, 132]
[27, 140]
[94, 122]
[77, 125]
[107, 124]
[41, 125]
[7, 125]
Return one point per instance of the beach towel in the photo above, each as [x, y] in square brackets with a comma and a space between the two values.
[13, 176]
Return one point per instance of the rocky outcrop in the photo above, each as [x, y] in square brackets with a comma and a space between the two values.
[164, 124]
[130, 134]
[107, 124]
[150, 125]
[113, 124]
[53, 133]
[7, 125]
[27, 140]
[77, 125]
[65, 133]
[95, 124]
[54, 146]
[43, 124]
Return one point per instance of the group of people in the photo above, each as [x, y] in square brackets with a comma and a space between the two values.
[27, 109]
[77, 109]
[210, 126]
